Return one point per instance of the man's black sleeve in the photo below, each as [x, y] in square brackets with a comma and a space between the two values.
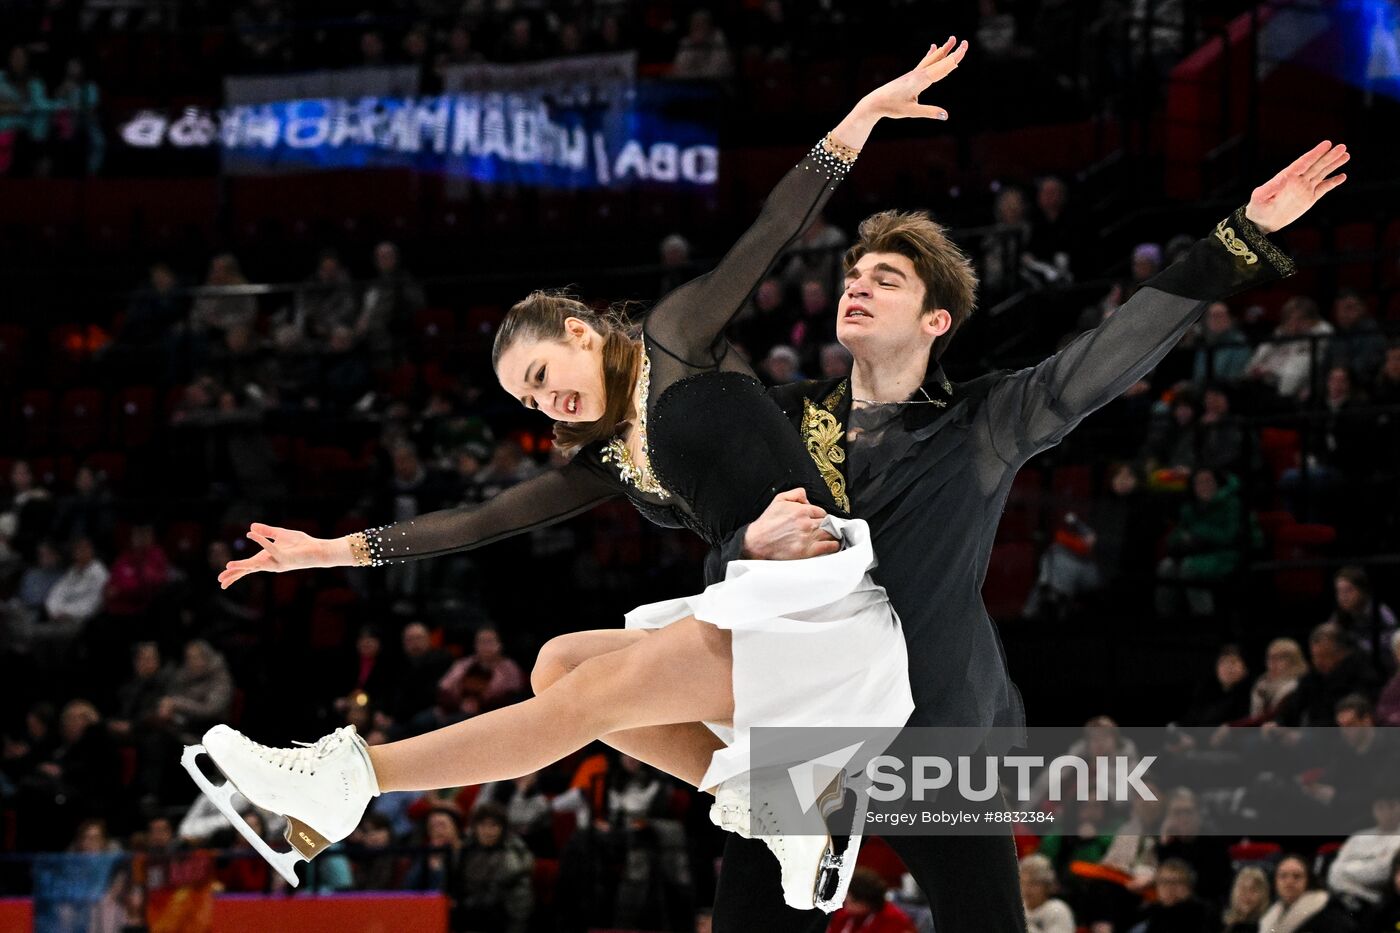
[1034, 408]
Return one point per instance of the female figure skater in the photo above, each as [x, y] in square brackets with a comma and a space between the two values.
[779, 643]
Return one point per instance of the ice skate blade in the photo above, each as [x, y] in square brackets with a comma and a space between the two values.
[283, 862]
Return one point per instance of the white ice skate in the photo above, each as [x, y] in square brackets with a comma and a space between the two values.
[321, 789]
[814, 873]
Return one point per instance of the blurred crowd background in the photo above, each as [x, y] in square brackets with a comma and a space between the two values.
[183, 352]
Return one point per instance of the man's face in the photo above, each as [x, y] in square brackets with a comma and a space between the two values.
[159, 835]
[416, 640]
[1355, 727]
[1218, 318]
[1325, 655]
[1392, 364]
[1173, 887]
[1347, 311]
[882, 308]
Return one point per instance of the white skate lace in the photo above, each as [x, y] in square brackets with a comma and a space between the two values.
[302, 758]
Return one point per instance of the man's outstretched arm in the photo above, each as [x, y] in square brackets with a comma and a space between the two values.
[1036, 407]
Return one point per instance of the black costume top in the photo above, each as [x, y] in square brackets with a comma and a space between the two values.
[932, 478]
[719, 446]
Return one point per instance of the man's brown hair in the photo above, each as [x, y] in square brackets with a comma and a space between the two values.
[949, 280]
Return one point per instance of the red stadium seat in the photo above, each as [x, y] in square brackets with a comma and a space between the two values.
[111, 464]
[185, 541]
[135, 416]
[1355, 245]
[1243, 853]
[1074, 483]
[545, 880]
[36, 410]
[329, 617]
[1280, 448]
[1009, 578]
[82, 418]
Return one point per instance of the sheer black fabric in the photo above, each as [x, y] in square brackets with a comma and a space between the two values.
[721, 448]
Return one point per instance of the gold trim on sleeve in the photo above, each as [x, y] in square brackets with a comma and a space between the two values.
[1236, 246]
[821, 432]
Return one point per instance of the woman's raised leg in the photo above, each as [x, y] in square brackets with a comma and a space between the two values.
[682, 673]
[682, 750]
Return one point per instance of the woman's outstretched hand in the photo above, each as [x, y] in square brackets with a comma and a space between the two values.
[282, 549]
[1289, 194]
[899, 99]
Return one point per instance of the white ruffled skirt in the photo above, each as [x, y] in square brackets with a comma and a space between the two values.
[815, 644]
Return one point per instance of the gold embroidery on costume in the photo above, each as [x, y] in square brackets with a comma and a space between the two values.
[616, 452]
[1234, 244]
[822, 434]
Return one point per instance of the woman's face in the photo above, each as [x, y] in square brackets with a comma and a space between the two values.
[441, 830]
[93, 839]
[1348, 596]
[1206, 486]
[1291, 880]
[561, 378]
[488, 832]
[1279, 659]
[1250, 897]
[1033, 892]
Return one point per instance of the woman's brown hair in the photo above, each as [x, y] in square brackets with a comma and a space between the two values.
[540, 316]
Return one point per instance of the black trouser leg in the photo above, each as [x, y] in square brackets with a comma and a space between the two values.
[973, 883]
[749, 895]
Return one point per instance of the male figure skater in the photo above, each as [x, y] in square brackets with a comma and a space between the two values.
[929, 465]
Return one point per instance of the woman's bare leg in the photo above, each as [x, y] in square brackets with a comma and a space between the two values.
[682, 673]
[682, 750]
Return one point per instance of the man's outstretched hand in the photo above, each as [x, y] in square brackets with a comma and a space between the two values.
[1289, 194]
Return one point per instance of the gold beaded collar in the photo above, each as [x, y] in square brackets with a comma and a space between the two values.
[639, 475]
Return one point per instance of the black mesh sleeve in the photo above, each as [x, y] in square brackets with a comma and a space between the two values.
[1034, 408]
[542, 500]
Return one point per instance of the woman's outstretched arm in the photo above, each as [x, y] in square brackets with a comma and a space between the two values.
[542, 500]
[690, 321]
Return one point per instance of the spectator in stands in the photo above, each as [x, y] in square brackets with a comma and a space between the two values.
[676, 268]
[139, 574]
[460, 49]
[527, 808]
[1363, 753]
[373, 674]
[1128, 524]
[1386, 389]
[486, 678]
[24, 116]
[264, 33]
[372, 49]
[35, 584]
[88, 512]
[1360, 873]
[1171, 441]
[423, 666]
[376, 869]
[782, 366]
[817, 324]
[519, 43]
[326, 301]
[1045, 913]
[1249, 898]
[1222, 441]
[763, 322]
[1068, 572]
[703, 52]
[1284, 667]
[1388, 706]
[816, 256]
[26, 519]
[136, 719]
[1205, 545]
[1386, 917]
[1369, 622]
[1004, 246]
[201, 693]
[1184, 837]
[1300, 908]
[1338, 671]
[79, 143]
[1286, 362]
[213, 316]
[1146, 262]
[390, 303]
[155, 312]
[442, 833]
[1222, 352]
[1054, 237]
[835, 361]
[1084, 831]
[493, 881]
[1225, 698]
[508, 465]
[1101, 738]
[76, 778]
[345, 371]
[868, 910]
[1358, 345]
[76, 598]
[1177, 908]
[242, 870]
